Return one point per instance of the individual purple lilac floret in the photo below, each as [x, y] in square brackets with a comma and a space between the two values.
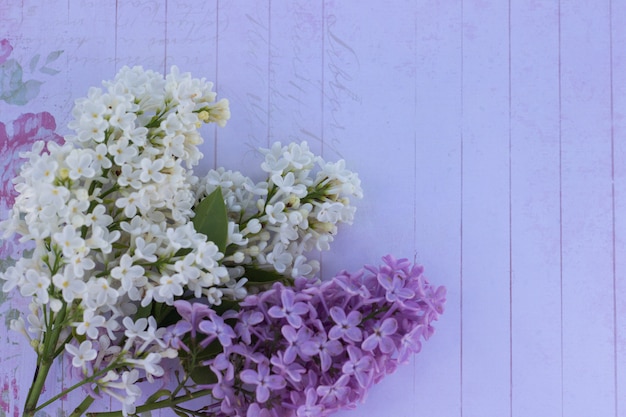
[316, 347]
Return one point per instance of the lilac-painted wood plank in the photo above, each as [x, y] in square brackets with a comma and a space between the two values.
[485, 210]
[192, 37]
[36, 33]
[368, 116]
[242, 74]
[17, 362]
[39, 33]
[618, 136]
[587, 263]
[140, 34]
[369, 119]
[438, 31]
[12, 17]
[535, 210]
[90, 57]
[295, 73]
[192, 46]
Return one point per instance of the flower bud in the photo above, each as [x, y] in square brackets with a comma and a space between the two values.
[64, 173]
[34, 343]
[293, 201]
[55, 305]
[238, 257]
[204, 116]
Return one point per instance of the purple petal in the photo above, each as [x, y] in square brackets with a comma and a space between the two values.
[370, 343]
[336, 332]
[262, 393]
[295, 371]
[290, 355]
[406, 293]
[334, 347]
[389, 326]
[249, 376]
[354, 318]
[254, 410]
[289, 333]
[181, 328]
[276, 312]
[226, 336]
[354, 353]
[338, 315]
[310, 348]
[363, 378]
[386, 345]
[325, 360]
[263, 371]
[207, 327]
[254, 317]
[354, 334]
[276, 382]
[300, 308]
[294, 320]
[287, 297]
[311, 396]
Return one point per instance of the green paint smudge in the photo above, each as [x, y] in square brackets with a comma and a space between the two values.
[11, 315]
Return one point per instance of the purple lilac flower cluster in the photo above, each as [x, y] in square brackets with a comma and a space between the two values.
[316, 347]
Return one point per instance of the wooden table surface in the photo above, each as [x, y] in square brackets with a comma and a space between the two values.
[490, 137]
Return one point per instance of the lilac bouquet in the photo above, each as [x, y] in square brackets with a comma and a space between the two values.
[160, 287]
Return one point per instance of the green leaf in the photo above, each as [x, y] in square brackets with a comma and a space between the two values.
[49, 71]
[166, 315]
[12, 314]
[143, 312]
[203, 375]
[24, 93]
[52, 56]
[193, 361]
[182, 252]
[255, 274]
[33, 63]
[212, 219]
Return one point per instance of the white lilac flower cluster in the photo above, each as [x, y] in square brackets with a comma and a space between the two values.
[274, 223]
[109, 216]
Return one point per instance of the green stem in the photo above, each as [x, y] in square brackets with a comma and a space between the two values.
[89, 380]
[169, 403]
[80, 410]
[41, 373]
[45, 359]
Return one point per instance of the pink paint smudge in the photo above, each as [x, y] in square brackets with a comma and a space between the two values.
[9, 392]
[5, 50]
[27, 129]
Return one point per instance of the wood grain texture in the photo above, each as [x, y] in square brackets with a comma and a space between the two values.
[535, 211]
[490, 137]
[586, 201]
